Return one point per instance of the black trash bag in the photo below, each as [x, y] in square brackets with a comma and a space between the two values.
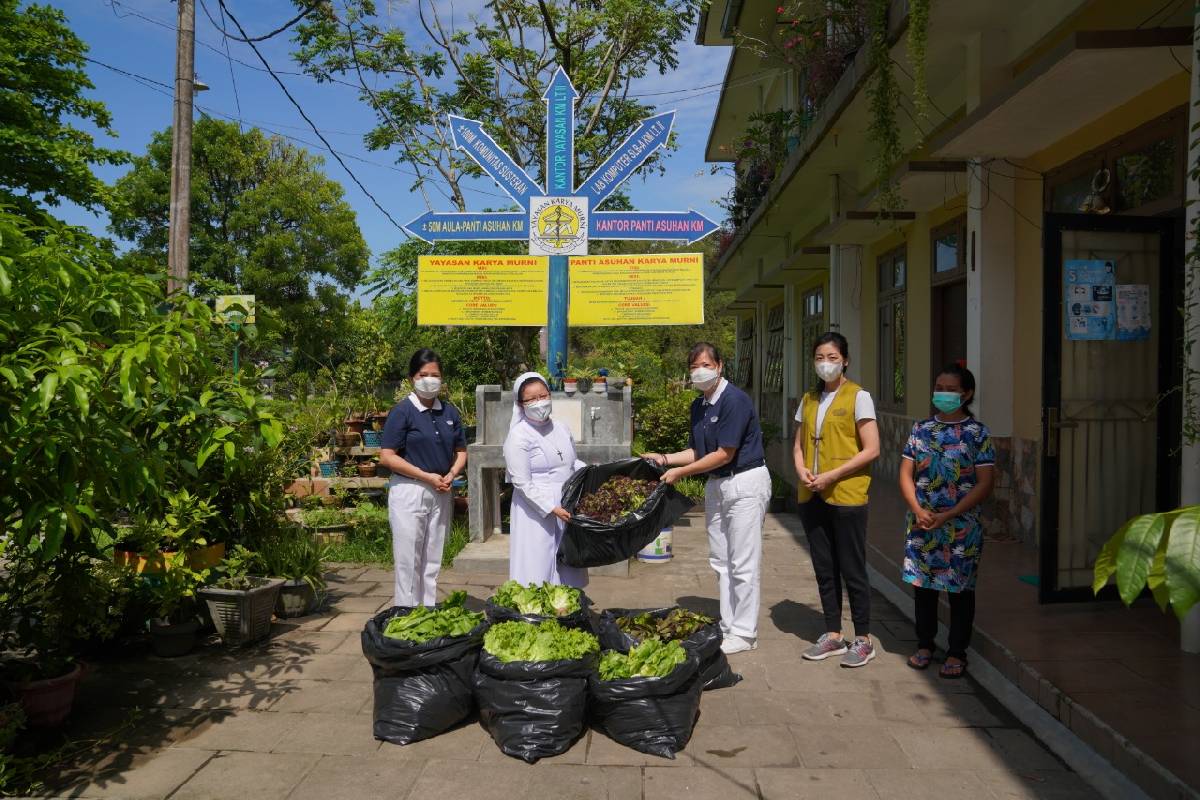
[533, 709]
[705, 642]
[580, 620]
[588, 543]
[652, 715]
[421, 690]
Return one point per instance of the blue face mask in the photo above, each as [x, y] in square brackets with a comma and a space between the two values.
[947, 402]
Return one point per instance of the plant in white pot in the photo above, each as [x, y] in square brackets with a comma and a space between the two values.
[297, 558]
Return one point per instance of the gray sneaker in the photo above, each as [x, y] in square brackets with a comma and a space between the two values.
[860, 652]
[825, 647]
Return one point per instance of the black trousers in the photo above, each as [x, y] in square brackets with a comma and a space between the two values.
[962, 620]
[837, 542]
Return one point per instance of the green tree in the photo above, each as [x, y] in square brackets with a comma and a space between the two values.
[495, 70]
[44, 158]
[265, 221]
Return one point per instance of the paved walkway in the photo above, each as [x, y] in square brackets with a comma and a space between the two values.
[291, 719]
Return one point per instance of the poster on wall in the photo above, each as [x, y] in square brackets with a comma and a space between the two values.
[1088, 305]
[1133, 312]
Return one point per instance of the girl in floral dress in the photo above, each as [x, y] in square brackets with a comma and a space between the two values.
[946, 472]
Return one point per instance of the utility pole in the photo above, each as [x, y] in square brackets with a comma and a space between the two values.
[181, 148]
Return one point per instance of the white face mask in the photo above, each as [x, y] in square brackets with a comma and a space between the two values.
[427, 387]
[538, 410]
[829, 370]
[704, 378]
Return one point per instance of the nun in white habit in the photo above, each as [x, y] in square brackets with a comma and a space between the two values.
[539, 454]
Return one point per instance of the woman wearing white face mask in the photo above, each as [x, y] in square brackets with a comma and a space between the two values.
[726, 446]
[836, 441]
[425, 448]
[539, 455]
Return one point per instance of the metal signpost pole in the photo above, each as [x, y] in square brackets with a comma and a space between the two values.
[559, 218]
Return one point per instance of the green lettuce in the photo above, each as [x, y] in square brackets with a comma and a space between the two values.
[546, 641]
[546, 600]
[650, 659]
[449, 618]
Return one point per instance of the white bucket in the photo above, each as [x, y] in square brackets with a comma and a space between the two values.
[659, 550]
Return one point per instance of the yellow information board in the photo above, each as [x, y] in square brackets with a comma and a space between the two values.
[666, 289]
[482, 290]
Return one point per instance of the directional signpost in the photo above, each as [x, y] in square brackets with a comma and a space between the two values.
[558, 219]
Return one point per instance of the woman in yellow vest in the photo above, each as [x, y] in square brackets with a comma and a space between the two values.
[835, 444]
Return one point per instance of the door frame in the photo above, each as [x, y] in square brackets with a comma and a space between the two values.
[1168, 430]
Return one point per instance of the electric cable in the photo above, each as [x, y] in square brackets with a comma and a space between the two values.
[313, 125]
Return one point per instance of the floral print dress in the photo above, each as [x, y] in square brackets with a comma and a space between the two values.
[945, 457]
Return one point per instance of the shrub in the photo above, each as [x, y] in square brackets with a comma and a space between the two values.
[661, 424]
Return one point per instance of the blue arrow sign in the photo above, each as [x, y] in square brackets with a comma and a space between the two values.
[470, 137]
[650, 135]
[560, 99]
[433, 226]
[688, 225]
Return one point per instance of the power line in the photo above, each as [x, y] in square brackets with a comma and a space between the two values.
[168, 91]
[313, 125]
[232, 79]
[252, 39]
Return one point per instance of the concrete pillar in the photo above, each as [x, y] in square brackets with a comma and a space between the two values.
[844, 302]
[1190, 466]
[991, 292]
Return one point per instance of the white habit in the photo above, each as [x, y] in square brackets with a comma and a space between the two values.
[539, 457]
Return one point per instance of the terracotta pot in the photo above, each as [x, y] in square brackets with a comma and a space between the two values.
[173, 639]
[47, 703]
[356, 425]
[366, 469]
[348, 439]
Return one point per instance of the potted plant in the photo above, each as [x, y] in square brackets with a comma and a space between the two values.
[349, 469]
[241, 603]
[328, 525]
[152, 539]
[366, 469]
[48, 611]
[174, 626]
[298, 559]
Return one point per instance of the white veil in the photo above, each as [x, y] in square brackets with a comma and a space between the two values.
[518, 411]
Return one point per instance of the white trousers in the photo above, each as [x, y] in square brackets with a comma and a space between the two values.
[734, 508]
[420, 518]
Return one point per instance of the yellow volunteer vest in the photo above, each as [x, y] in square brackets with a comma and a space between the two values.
[836, 444]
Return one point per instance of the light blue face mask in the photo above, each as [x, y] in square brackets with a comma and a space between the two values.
[947, 402]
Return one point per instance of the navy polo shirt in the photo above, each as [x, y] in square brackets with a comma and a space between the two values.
[424, 437]
[731, 421]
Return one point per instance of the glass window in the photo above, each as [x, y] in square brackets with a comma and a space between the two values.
[945, 253]
[898, 271]
[1146, 175]
[1068, 196]
[892, 327]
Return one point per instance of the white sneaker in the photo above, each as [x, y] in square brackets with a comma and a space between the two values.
[737, 644]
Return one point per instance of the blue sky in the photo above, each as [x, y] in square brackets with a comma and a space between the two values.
[118, 36]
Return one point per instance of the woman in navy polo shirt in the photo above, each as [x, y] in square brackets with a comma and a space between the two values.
[726, 445]
[424, 447]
